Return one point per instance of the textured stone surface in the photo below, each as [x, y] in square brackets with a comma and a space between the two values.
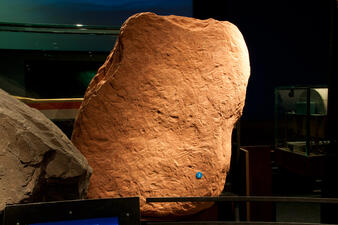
[37, 161]
[162, 108]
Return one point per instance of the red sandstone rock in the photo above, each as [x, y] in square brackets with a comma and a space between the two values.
[162, 108]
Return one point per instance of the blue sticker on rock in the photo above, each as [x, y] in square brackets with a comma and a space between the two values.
[199, 175]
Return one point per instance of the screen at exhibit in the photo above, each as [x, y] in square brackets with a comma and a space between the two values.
[93, 221]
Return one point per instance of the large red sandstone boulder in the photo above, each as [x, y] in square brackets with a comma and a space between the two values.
[162, 108]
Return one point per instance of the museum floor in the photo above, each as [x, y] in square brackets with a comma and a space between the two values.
[296, 212]
[291, 185]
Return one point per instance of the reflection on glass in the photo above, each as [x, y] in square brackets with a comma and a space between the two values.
[301, 119]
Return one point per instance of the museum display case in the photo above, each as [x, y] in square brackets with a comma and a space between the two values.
[52, 60]
[301, 120]
[49, 66]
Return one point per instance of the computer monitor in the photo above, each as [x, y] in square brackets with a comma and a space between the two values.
[113, 211]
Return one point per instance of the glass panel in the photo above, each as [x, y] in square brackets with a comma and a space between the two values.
[300, 119]
[318, 120]
[52, 61]
[57, 37]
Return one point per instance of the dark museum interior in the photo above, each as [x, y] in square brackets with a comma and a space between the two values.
[284, 147]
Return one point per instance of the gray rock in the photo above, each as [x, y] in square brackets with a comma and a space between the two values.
[37, 161]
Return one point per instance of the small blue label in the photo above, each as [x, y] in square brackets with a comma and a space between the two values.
[199, 175]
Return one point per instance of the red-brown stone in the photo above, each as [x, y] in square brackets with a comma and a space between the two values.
[162, 108]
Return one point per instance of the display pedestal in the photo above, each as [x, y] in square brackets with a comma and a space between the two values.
[300, 164]
[256, 177]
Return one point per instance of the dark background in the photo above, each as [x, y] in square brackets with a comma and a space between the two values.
[289, 45]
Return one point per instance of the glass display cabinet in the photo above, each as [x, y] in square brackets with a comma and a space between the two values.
[301, 120]
[49, 66]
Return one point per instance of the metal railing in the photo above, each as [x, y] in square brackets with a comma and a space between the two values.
[245, 199]
[237, 199]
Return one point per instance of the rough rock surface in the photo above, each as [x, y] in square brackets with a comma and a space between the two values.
[162, 108]
[37, 161]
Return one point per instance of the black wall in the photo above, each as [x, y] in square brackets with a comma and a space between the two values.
[289, 44]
